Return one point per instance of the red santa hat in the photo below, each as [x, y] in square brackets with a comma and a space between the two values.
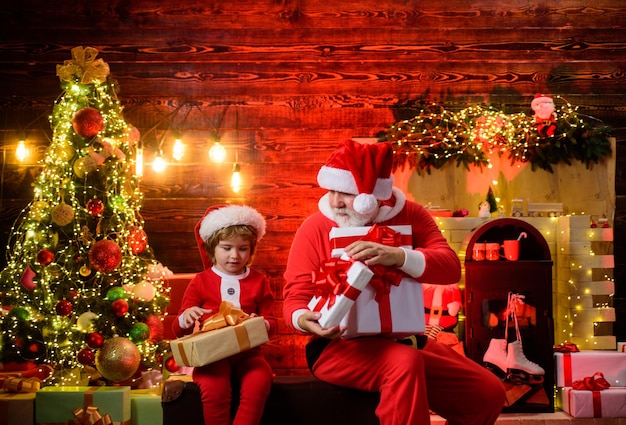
[221, 216]
[360, 169]
[540, 98]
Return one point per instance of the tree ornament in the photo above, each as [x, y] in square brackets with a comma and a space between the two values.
[94, 340]
[144, 290]
[157, 330]
[19, 313]
[85, 321]
[105, 256]
[86, 357]
[115, 293]
[119, 307]
[45, 257]
[95, 207]
[139, 332]
[27, 279]
[62, 214]
[84, 165]
[170, 365]
[88, 122]
[118, 359]
[64, 308]
[137, 239]
[85, 272]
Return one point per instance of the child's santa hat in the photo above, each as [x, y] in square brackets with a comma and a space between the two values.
[221, 216]
[540, 98]
[360, 169]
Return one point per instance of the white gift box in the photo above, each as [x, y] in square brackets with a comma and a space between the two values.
[340, 237]
[358, 276]
[608, 403]
[399, 314]
[621, 347]
[575, 366]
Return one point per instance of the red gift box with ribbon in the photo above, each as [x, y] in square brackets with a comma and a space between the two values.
[337, 286]
[392, 304]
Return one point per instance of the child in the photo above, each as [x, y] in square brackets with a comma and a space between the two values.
[227, 237]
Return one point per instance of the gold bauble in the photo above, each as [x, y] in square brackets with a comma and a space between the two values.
[84, 165]
[64, 152]
[38, 210]
[118, 359]
[62, 214]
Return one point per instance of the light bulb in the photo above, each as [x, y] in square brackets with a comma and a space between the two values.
[235, 180]
[217, 153]
[179, 150]
[139, 162]
[21, 152]
[159, 164]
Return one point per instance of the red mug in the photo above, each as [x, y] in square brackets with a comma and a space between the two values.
[511, 250]
[478, 253]
[492, 251]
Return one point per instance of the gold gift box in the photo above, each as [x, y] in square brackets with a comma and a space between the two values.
[206, 347]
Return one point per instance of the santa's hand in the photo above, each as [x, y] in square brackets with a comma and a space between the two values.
[372, 253]
[189, 316]
[308, 322]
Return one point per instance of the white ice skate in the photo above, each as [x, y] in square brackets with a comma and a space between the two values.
[495, 358]
[519, 368]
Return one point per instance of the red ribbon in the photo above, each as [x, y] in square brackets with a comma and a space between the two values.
[568, 347]
[331, 281]
[592, 383]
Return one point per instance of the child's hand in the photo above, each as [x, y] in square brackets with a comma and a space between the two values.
[189, 316]
[267, 324]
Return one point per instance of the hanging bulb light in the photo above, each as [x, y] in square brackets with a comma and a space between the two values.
[159, 164]
[235, 180]
[217, 153]
[178, 151]
[21, 152]
[139, 162]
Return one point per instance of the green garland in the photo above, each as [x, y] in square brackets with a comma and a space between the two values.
[436, 136]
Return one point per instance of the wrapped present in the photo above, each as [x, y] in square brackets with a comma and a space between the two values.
[17, 408]
[607, 403]
[225, 333]
[340, 237]
[145, 407]
[621, 347]
[83, 405]
[337, 286]
[392, 303]
[573, 366]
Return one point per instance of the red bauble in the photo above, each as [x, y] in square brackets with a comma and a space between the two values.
[170, 365]
[88, 122]
[95, 207]
[157, 330]
[137, 239]
[94, 340]
[64, 308]
[45, 257]
[105, 256]
[119, 307]
[86, 356]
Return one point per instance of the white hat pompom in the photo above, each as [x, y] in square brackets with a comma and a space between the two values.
[365, 203]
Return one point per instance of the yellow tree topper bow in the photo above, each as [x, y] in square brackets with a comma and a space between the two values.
[83, 67]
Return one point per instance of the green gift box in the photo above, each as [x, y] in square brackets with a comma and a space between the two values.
[145, 407]
[56, 405]
[17, 408]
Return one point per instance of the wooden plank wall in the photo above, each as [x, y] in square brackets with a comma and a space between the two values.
[281, 82]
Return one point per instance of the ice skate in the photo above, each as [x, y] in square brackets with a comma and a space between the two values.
[519, 368]
[495, 358]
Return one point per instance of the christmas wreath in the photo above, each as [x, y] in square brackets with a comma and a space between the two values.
[437, 136]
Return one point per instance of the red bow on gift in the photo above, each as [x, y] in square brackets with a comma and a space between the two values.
[592, 383]
[330, 281]
[384, 276]
[568, 347]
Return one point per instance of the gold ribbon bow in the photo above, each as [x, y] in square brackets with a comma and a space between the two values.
[228, 315]
[15, 384]
[83, 67]
[90, 416]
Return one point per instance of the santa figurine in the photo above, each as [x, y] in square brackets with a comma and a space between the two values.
[545, 117]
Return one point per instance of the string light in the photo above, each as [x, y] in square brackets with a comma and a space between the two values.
[139, 162]
[235, 181]
[217, 153]
[21, 152]
[178, 151]
[159, 164]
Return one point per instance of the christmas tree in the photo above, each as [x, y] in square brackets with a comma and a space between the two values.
[82, 291]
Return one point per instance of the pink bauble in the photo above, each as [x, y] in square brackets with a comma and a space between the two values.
[88, 122]
[105, 256]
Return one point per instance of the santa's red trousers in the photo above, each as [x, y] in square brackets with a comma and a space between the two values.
[254, 375]
[412, 381]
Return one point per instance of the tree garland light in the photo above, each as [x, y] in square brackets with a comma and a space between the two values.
[436, 136]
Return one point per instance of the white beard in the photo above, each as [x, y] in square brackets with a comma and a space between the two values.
[353, 219]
